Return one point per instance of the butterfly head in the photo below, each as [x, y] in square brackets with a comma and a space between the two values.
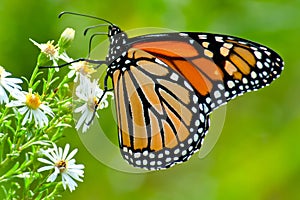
[118, 40]
[113, 30]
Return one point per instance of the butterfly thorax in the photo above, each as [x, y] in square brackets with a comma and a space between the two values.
[118, 40]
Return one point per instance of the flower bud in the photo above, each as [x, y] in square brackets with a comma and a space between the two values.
[66, 39]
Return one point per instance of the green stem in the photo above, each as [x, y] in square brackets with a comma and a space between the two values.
[65, 80]
[54, 192]
[4, 163]
[3, 115]
[33, 76]
[46, 85]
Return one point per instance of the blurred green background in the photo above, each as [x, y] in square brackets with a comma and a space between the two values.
[258, 153]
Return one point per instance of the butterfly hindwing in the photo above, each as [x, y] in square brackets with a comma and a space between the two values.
[160, 116]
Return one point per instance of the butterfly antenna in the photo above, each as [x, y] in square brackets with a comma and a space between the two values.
[84, 15]
[92, 27]
[99, 100]
[91, 39]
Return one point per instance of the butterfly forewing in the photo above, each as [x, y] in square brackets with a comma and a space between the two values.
[160, 118]
[246, 65]
[218, 67]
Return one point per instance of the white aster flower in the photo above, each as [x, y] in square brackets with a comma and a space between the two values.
[52, 52]
[8, 84]
[81, 67]
[32, 107]
[64, 165]
[88, 93]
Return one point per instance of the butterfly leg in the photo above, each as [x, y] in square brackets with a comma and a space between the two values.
[99, 62]
[100, 99]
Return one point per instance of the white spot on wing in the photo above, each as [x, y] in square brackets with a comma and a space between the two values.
[183, 34]
[268, 53]
[160, 62]
[219, 39]
[195, 99]
[194, 110]
[174, 77]
[203, 37]
[253, 75]
[188, 86]
[259, 65]
[257, 54]
[230, 84]
[202, 119]
[217, 94]
[196, 137]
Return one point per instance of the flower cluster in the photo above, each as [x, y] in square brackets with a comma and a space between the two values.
[33, 119]
[30, 104]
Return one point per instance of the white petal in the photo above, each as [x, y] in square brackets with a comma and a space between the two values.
[75, 176]
[40, 118]
[47, 110]
[77, 166]
[53, 176]
[80, 121]
[66, 151]
[35, 43]
[81, 108]
[26, 118]
[3, 96]
[23, 110]
[43, 160]
[55, 151]
[15, 104]
[69, 181]
[70, 156]
[60, 153]
[45, 168]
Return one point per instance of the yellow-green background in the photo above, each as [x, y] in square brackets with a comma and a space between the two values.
[258, 153]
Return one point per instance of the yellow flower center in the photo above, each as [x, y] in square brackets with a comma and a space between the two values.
[92, 103]
[49, 48]
[33, 101]
[84, 68]
[61, 165]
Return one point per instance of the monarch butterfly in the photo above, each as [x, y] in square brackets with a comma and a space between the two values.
[166, 85]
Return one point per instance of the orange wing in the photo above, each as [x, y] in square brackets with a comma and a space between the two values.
[161, 120]
[218, 67]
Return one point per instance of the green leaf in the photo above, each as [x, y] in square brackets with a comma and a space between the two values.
[35, 85]
[43, 60]
[3, 138]
[12, 170]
